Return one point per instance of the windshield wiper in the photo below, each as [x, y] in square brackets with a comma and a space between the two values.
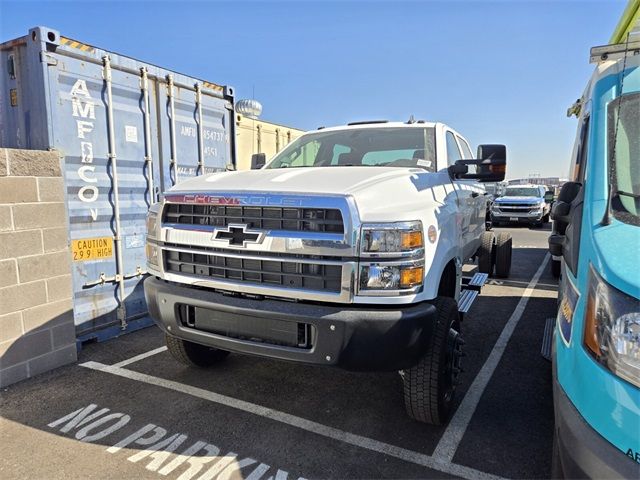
[627, 194]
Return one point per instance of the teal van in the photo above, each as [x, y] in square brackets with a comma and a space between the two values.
[596, 236]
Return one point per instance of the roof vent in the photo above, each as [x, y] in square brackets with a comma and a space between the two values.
[249, 108]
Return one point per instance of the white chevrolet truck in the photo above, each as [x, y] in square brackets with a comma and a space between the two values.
[346, 249]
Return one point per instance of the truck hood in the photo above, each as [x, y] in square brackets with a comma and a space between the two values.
[378, 191]
[315, 180]
[518, 200]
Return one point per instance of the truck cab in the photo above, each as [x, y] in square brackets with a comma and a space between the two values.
[596, 234]
[346, 250]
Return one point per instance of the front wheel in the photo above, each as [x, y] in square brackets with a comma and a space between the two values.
[430, 386]
[194, 354]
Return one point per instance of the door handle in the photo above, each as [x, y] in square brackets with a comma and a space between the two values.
[475, 194]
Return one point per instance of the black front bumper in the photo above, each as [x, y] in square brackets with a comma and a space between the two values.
[355, 338]
[584, 453]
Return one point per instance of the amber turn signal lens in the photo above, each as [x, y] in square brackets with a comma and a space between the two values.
[591, 327]
[411, 240]
[410, 277]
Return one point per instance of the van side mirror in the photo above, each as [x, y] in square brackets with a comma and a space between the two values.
[258, 160]
[549, 196]
[491, 165]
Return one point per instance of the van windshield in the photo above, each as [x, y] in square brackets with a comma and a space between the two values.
[624, 155]
[522, 192]
[370, 147]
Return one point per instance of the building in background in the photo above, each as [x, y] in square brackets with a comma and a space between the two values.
[536, 180]
[258, 136]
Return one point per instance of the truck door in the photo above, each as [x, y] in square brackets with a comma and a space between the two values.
[465, 199]
[479, 199]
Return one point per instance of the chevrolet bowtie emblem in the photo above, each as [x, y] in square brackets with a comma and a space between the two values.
[238, 235]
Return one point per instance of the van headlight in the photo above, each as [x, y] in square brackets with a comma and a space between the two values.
[612, 328]
[392, 239]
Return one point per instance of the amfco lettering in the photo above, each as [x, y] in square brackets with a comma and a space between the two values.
[84, 110]
[165, 453]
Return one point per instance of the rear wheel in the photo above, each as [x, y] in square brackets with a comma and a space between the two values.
[430, 386]
[194, 354]
[504, 246]
[485, 253]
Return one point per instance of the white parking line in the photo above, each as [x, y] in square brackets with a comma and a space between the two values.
[448, 444]
[142, 356]
[418, 458]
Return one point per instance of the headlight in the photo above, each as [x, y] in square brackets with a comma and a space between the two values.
[390, 277]
[151, 249]
[389, 239]
[152, 254]
[152, 220]
[612, 328]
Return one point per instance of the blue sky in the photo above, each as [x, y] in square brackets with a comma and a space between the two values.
[499, 72]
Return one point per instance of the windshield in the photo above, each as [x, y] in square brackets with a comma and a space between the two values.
[371, 147]
[624, 116]
[522, 192]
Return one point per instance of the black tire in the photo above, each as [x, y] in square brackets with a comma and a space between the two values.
[504, 246]
[556, 268]
[485, 253]
[430, 386]
[194, 354]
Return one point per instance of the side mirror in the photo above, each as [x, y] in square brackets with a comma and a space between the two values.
[491, 165]
[258, 160]
[549, 196]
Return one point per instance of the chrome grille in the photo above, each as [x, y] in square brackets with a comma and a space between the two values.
[283, 273]
[263, 218]
[516, 207]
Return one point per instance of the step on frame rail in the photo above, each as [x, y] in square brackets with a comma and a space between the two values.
[470, 290]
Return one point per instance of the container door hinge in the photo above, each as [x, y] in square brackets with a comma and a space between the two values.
[102, 279]
[48, 59]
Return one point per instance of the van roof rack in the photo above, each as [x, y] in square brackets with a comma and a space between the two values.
[615, 51]
[366, 122]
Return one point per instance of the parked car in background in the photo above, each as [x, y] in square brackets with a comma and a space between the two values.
[522, 204]
[596, 234]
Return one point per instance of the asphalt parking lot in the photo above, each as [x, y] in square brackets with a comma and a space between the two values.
[128, 410]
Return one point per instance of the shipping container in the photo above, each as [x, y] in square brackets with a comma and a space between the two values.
[126, 131]
[259, 136]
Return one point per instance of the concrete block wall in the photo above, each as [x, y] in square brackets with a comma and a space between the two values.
[37, 331]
